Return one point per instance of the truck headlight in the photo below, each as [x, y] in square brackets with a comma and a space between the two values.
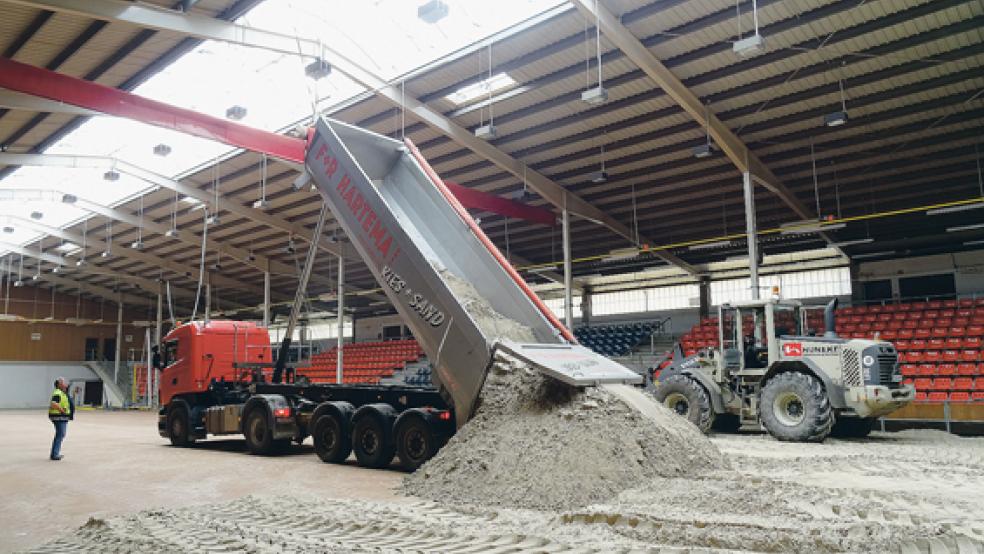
[868, 361]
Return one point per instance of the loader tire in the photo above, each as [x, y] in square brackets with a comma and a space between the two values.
[852, 427]
[685, 396]
[794, 407]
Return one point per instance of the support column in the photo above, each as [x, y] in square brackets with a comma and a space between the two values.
[159, 324]
[341, 319]
[704, 291]
[266, 298]
[751, 231]
[119, 341]
[568, 302]
[586, 305]
[208, 297]
[152, 372]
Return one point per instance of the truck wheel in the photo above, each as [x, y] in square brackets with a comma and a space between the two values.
[687, 397]
[259, 436]
[794, 407]
[415, 443]
[371, 443]
[852, 427]
[332, 442]
[179, 426]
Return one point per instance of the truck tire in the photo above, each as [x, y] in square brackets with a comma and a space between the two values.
[794, 407]
[371, 442]
[685, 396]
[259, 436]
[852, 427]
[415, 442]
[332, 440]
[179, 425]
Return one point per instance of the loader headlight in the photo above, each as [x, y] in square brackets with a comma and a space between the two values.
[868, 361]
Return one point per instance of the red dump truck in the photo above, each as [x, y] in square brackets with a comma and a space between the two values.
[414, 237]
[216, 381]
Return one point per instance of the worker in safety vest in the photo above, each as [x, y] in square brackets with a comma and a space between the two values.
[59, 412]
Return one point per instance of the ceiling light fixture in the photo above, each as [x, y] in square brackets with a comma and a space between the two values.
[601, 175]
[8, 229]
[236, 112]
[433, 11]
[954, 209]
[707, 149]
[710, 245]
[69, 198]
[811, 228]
[36, 215]
[752, 43]
[621, 254]
[852, 242]
[112, 175]
[837, 118]
[597, 95]
[873, 254]
[162, 150]
[318, 69]
[959, 228]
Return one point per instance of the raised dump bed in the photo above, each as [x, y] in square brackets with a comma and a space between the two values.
[415, 237]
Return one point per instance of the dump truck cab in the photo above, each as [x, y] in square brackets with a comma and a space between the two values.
[769, 370]
[196, 353]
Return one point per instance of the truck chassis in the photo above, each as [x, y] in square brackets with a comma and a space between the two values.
[374, 422]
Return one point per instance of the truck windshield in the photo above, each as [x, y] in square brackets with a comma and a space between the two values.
[170, 352]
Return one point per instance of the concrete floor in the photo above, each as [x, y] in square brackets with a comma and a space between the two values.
[116, 463]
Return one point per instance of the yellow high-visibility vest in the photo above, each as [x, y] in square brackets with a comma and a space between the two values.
[61, 398]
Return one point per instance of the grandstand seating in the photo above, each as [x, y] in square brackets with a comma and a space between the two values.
[363, 362]
[940, 342]
[614, 340]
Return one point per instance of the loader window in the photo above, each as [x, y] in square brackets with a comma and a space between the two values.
[787, 321]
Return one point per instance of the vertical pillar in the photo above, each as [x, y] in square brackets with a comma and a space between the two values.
[266, 298]
[149, 393]
[586, 305]
[568, 302]
[704, 291]
[119, 341]
[341, 318]
[159, 324]
[208, 297]
[751, 231]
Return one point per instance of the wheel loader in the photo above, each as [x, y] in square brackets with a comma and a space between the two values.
[768, 371]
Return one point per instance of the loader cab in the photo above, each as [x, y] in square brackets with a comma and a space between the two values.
[749, 332]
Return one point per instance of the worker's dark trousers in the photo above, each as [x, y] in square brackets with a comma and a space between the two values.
[60, 428]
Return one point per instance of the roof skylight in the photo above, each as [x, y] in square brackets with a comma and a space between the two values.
[481, 89]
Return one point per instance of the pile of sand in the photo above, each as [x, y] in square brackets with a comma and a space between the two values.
[535, 442]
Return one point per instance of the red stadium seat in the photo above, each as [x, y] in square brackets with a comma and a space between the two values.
[923, 333]
[973, 342]
[936, 344]
[889, 335]
[923, 383]
[950, 303]
[910, 370]
[936, 397]
[942, 383]
[934, 304]
[906, 333]
[932, 355]
[902, 345]
[921, 397]
[966, 369]
[950, 356]
[927, 369]
[946, 369]
[977, 395]
[959, 397]
[963, 383]
[940, 332]
[954, 343]
[910, 324]
[956, 331]
[969, 355]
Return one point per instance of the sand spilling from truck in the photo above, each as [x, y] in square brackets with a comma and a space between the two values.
[538, 443]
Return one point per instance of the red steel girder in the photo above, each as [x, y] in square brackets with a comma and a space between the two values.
[52, 85]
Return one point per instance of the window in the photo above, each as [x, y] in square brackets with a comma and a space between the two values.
[556, 305]
[803, 284]
[170, 353]
[481, 89]
[927, 286]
